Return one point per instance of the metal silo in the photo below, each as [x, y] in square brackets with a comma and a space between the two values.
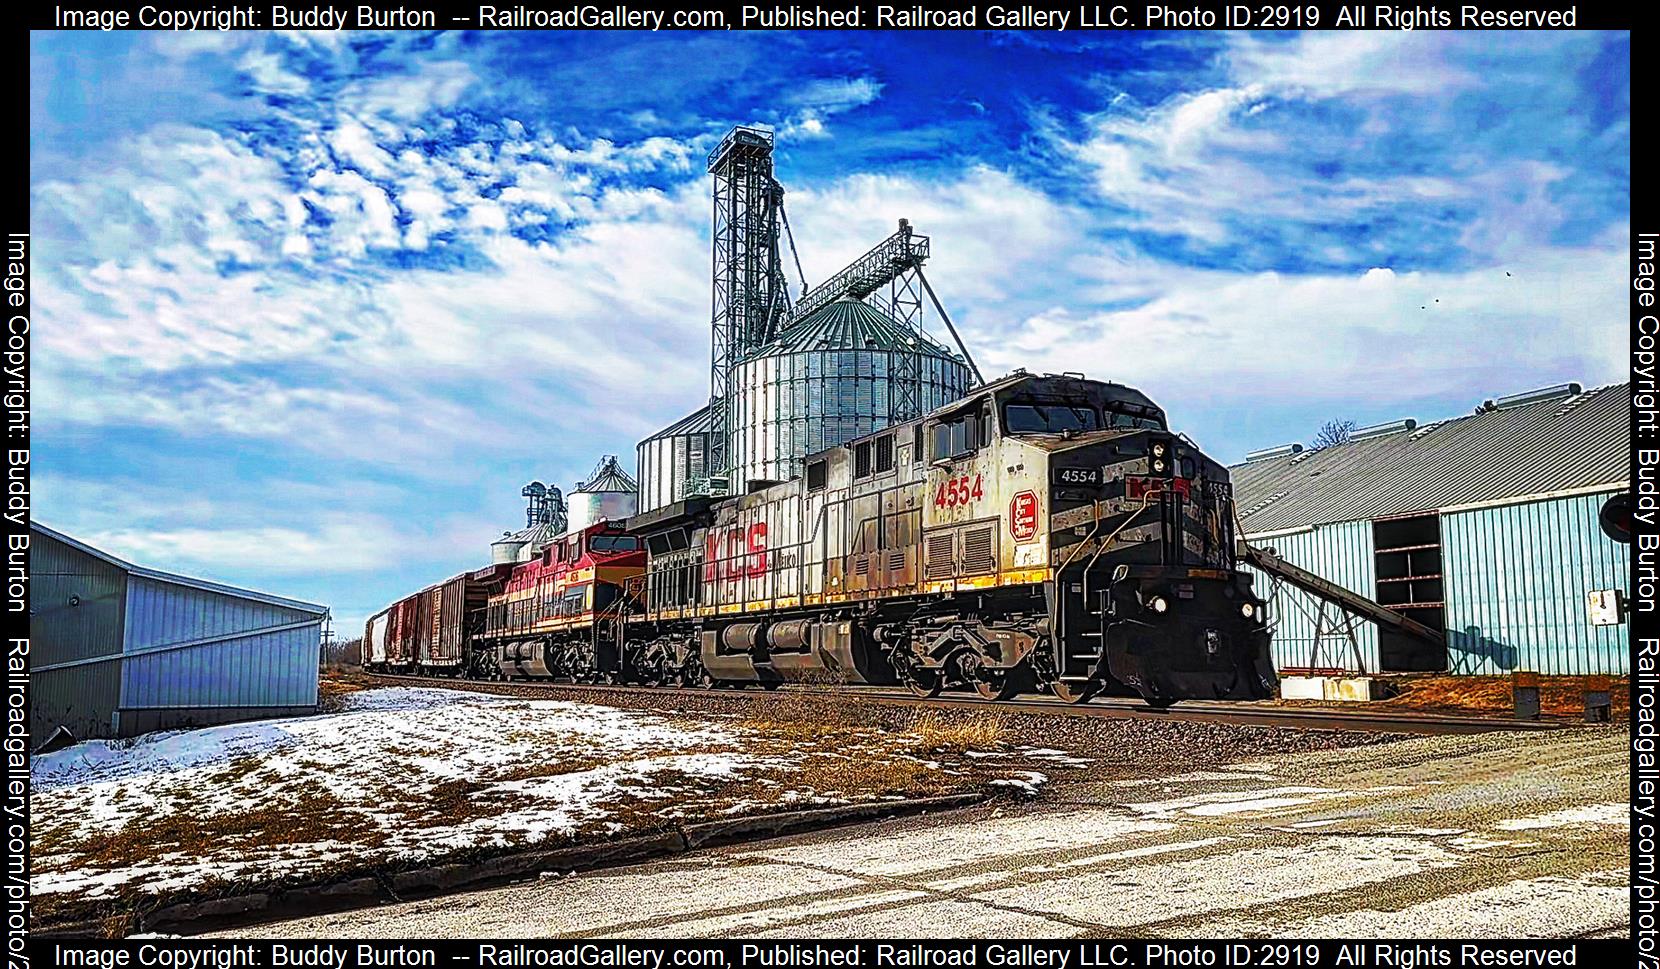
[834, 375]
[609, 493]
[505, 550]
[674, 460]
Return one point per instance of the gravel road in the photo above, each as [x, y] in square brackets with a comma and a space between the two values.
[1490, 835]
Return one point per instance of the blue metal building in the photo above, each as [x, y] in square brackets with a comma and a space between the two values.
[1486, 526]
[118, 649]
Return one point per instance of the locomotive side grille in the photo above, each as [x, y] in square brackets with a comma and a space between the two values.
[896, 560]
[938, 564]
[980, 551]
[861, 565]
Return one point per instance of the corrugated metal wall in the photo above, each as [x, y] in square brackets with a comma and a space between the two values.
[1341, 552]
[58, 631]
[1516, 579]
[161, 613]
[267, 670]
[82, 698]
[79, 697]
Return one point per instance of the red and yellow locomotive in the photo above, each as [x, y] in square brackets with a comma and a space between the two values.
[560, 615]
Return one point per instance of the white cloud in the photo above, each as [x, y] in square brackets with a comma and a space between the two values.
[990, 232]
[427, 86]
[837, 93]
[1327, 64]
[1323, 130]
[1213, 337]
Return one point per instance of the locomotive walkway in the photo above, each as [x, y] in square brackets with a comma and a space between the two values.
[1483, 836]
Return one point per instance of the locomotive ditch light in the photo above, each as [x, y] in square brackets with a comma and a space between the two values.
[1158, 604]
[1247, 610]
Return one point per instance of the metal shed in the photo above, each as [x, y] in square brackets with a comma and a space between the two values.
[1486, 526]
[118, 649]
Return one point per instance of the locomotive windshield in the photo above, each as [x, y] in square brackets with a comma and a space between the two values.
[1119, 419]
[1050, 417]
[613, 543]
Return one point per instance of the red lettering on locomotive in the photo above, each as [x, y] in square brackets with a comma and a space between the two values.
[736, 554]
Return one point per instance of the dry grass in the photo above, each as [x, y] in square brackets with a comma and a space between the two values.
[307, 815]
[957, 734]
[813, 744]
[334, 685]
[815, 708]
[1559, 696]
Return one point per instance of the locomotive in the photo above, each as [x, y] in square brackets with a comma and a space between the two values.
[1044, 533]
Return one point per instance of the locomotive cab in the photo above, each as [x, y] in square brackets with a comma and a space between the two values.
[1076, 489]
[1144, 592]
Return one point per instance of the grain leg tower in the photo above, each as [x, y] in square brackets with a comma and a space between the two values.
[792, 377]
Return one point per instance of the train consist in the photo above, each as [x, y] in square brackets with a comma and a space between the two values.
[1043, 533]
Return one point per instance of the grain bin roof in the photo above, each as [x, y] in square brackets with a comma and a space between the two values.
[183, 580]
[700, 421]
[1575, 441]
[850, 324]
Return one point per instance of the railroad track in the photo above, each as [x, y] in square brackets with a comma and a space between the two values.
[1116, 708]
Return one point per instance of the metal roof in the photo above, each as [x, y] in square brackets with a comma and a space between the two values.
[607, 476]
[700, 421]
[1577, 441]
[851, 324]
[182, 580]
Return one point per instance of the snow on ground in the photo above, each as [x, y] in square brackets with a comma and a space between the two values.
[406, 774]
[1613, 815]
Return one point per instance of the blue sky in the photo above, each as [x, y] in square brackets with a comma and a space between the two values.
[313, 306]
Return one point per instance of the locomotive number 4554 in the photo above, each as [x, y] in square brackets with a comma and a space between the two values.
[957, 491]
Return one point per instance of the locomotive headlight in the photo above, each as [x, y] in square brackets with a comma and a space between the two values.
[1158, 449]
[1158, 465]
[1158, 604]
[1247, 610]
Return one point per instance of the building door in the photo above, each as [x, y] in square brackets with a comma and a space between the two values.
[1408, 563]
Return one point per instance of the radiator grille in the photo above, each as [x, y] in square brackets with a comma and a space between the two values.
[980, 551]
[938, 564]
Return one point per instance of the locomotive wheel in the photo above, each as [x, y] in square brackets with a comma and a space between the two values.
[996, 686]
[1074, 692]
[1159, 702]
[693, 674]
[924, 683]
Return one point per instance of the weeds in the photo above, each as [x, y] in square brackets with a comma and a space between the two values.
[939, 734]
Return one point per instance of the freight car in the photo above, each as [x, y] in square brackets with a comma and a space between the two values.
[434, 630]
[1043, 533]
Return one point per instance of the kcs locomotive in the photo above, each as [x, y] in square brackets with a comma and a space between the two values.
[1044, 533]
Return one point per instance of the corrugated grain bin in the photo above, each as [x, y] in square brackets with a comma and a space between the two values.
[844, 371]
[673, 459]
[609, 494]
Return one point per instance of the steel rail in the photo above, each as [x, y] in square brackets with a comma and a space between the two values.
[1112, 708]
